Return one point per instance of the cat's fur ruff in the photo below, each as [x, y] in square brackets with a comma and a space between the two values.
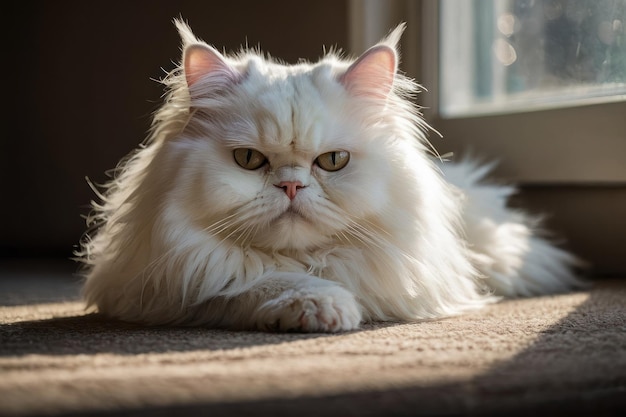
[184, 235]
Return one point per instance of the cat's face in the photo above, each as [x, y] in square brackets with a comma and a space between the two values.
[280, 157]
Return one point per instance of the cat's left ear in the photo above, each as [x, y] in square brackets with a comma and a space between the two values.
[373, 73]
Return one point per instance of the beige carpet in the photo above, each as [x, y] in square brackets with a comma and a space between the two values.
[560, 355]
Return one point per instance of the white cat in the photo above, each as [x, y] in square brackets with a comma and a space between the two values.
[302, 197]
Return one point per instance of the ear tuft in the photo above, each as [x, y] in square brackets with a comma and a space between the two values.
[393, 38]
[373, 73]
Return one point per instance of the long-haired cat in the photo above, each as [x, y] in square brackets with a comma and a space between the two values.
[302, 197]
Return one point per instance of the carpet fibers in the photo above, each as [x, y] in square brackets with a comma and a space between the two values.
[556, 355]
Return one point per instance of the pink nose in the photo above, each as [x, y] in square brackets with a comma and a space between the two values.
[290, 187]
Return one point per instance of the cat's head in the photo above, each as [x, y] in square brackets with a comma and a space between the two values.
[289, 157]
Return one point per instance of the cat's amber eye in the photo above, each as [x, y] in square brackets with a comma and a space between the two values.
[333, 161]
[249, 158]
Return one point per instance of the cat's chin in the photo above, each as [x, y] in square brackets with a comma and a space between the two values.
[291, 230]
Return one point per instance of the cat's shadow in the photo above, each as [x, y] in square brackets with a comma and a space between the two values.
[93, 333]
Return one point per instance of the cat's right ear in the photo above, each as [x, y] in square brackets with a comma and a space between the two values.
[200, 61]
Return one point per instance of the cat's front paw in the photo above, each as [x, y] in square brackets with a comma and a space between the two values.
[310, 311]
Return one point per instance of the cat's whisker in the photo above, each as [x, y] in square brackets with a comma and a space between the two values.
[342, 236]
[237, 224]
[380, 241]
[354, 228]
[226, 221]
[228, 236]
[219, 223]
[361, 237]
[221, 229]
[371, 224]
[243, 236]
[250, 233]
[245, 225]
[365, 236]
[238, 219]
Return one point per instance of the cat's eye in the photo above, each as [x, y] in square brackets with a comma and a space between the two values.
[249, 158]
[333, 161]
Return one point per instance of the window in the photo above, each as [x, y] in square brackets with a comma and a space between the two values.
[505, 56]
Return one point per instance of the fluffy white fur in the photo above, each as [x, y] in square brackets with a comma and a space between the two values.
[184, 235]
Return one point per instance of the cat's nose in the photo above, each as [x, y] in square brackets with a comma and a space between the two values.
[290, 188]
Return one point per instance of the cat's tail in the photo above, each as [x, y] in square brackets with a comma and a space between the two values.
[508, 246]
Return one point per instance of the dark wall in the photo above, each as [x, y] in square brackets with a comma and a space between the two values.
[79, 91]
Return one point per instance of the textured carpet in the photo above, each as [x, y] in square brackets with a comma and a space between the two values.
[557, 355]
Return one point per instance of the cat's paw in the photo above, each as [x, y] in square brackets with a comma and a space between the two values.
[310, 311]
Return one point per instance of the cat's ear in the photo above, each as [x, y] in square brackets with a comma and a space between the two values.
[373, 73]
[200, 60]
